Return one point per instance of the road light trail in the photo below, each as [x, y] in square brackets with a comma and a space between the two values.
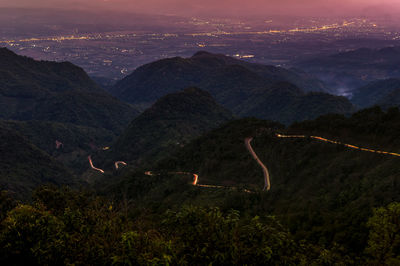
[195, 176]
[267, 183]
[59, 144]
[339, 143]
[92, 166]
[116, 164]
[196, 180]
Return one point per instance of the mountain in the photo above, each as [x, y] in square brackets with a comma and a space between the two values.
[61, 92]
[391, 100]
[247, 89]
[286, 103]
[323, 192]
[382, 92]
[229, 80]
[220, 157]
[23, 166]
[171, 122]
[75, 142]
[44, 134]
[353, 69]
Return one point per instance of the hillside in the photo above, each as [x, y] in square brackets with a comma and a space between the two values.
[381, 92]
[248, 89]
[171, 122]
[229, 80]
[353, 69]
[76, 142]
[286, 103]
[23, 166]
[323, 192]
[61, 92]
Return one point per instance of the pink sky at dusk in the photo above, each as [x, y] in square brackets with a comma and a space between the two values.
[223, 7]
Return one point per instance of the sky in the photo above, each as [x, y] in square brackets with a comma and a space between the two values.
[224, 7]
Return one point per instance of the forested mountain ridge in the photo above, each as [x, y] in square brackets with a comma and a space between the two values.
[247, 89]
[70, 144]
[323, 192]
[24, 167]
[60, 92]
[192, 191]
[350, 70]
[172, 121]
[380, 92]
[226, 78]
[286, 103]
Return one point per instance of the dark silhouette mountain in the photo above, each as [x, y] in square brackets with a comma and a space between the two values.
[171, 122]
[353, 69]
[23, 166]
[61, 92]
[245, 88]
[391, 100]
[229, 80]
[382, 92]
[286, 103]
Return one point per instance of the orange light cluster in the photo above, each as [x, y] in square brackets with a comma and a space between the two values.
[340, 143]
[196, 180]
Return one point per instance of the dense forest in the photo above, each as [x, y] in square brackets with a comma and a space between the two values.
[325, 206]
[61, 226]
[187, 189]
[247, 89]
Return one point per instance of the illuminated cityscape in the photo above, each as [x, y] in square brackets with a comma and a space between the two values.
[115, 54]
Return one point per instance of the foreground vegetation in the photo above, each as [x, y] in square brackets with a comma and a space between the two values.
[62, 226]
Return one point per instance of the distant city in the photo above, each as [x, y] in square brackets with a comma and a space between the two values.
[114, 54]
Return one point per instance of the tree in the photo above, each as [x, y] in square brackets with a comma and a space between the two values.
[384, 236]
[33, 235]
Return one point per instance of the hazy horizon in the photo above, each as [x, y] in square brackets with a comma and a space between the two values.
[223, 8]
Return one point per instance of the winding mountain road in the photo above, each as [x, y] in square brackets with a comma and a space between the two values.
[116, 164]
[339, 143]
[267, 183]
[196, 180]
[92, 166]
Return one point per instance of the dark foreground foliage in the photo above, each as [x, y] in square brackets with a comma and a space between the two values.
[62, 227]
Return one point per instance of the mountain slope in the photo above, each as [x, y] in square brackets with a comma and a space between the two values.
[391, 100]
[75, 142]
[324, 192]
[172, 121]
[286, 103]
[247, 89]
[23, 166]
[381, 92]
[353, 69]
[61, 92]
[227, 79]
